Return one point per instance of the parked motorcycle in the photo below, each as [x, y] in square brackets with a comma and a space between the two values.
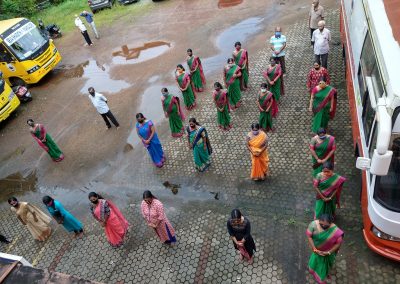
[50, 31]
[23, 94]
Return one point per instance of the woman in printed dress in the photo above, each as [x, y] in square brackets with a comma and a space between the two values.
[185, 85]
[232, 75]
[108, 215]
[196, 71]
[153, 213]
[325, 239]
[147, 133]
[221, 101]
[33, 218]
[45, 141]
[315, 75]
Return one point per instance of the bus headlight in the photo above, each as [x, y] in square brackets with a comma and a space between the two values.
[33, 69]
[383, 235]
[11, 95]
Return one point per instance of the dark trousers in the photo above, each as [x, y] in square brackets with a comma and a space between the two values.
[3, 239]
[281, 61]
[109, 115]
[87, 38]
[322, 60]
[311, 32]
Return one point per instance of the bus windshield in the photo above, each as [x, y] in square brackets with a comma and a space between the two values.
[387, 189]
[25, 41]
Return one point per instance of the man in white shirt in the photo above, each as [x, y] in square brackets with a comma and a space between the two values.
[320, 40]
[316, 14]
[278, 45]
[100, 103]
[81, 26]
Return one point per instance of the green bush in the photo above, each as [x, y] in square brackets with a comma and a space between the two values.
[18, 8]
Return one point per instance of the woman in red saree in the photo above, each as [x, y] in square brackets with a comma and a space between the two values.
[196, 71]
[322, 105]
[315, 74]
[241, 57]
[45, 141]
[274, 78]
[153, 213]
[186, 87]
[108, 215]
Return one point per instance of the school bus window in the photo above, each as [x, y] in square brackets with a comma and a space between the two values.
[368, 116]
[386, 190]
[4, 55]
[370, 67]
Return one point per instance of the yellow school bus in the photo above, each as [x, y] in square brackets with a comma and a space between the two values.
[25, 55]
[8, 100]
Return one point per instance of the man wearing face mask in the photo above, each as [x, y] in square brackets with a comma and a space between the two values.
[320, 39]
[100, 103]
[278, 45]
[316, 14]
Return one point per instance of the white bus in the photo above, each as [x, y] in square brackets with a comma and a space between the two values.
[370, 32]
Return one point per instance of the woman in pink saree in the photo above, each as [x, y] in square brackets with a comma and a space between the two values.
[108, 215]
[153, 213]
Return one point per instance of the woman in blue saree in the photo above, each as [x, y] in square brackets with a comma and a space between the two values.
[62, 216]
[147, 133]
[200, 144]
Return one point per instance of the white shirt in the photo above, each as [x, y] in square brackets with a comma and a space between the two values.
[321, 41]
[79, 24]
[100, 102]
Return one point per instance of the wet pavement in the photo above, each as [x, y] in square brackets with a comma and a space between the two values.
[116, 165]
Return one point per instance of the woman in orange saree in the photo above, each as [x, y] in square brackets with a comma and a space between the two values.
[257, 143]
[108, 215]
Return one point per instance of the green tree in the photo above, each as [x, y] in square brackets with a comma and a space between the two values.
[17, 8]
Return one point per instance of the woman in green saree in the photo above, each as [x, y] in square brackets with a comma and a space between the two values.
[231, 79]
[185, 85]
[322, 148]
[200, 145]
[172, 110]
[328, 186]
[221, 101]
[45, 141]
[324, 238]
[274, 78]
[196, 71]
[268, 108]
[322, 105]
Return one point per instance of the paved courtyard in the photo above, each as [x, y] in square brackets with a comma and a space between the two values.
[279, 208]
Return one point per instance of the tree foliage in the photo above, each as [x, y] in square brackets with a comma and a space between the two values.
[17, 8]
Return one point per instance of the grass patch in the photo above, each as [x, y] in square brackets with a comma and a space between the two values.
[63, 14]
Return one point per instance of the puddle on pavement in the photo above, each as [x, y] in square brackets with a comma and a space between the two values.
[139, 54]
[97, 75]
[225, 41]
[228, 3]
[153, 79]
[151, 108]
[17, 183]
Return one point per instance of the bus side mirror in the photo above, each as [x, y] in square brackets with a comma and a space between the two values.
[379, 165]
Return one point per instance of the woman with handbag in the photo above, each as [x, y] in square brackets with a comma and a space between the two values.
[62, 216]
